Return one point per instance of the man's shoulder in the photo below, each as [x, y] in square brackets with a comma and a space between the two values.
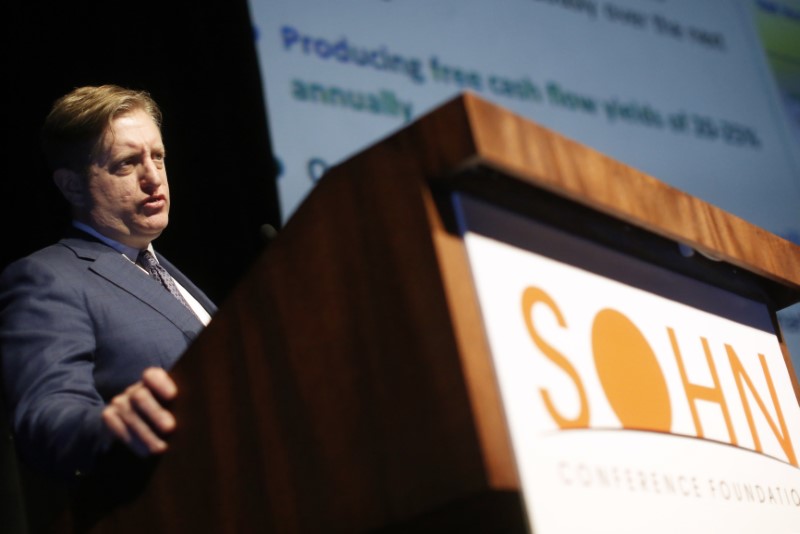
[67, 251]
[45, 255]
[55, 251]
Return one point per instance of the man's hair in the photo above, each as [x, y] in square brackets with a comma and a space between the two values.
[75, 125]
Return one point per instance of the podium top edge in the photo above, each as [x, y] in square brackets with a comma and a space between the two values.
[470, 131]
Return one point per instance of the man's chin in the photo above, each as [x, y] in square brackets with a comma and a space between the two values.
[152, 225]
[152, 233]
[144, 234]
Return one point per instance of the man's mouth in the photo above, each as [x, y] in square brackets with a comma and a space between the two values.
[155, 202]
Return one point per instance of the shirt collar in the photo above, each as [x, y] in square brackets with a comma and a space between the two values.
[130, 252]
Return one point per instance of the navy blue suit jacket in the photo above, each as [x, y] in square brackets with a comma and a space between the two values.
[78, 324]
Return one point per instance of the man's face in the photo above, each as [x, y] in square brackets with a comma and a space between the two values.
[127, 190]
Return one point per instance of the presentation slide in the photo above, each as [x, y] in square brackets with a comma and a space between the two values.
[704, 96]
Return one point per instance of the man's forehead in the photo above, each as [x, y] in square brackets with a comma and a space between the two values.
[131, 130]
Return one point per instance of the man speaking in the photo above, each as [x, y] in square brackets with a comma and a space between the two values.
[89, 326]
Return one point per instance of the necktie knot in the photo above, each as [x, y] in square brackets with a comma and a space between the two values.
[147, 260]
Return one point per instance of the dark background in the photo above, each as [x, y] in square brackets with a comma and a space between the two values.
[198, 61]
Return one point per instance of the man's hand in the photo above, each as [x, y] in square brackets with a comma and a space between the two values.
[137, 417]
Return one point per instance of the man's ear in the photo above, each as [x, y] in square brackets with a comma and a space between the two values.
[72, 185]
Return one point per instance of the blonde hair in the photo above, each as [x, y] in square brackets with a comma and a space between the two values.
[77, 121]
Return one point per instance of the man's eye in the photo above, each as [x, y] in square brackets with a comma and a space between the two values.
[123, 166]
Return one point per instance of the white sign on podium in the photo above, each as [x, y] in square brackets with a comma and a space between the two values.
[633, 412]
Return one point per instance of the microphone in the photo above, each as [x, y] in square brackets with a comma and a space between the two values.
[268, 233]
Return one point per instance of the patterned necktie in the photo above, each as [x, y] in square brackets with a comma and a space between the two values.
[154, 269]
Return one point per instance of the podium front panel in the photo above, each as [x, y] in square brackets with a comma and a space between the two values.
[638, 399]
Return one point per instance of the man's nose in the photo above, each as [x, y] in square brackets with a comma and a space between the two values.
[150, 177]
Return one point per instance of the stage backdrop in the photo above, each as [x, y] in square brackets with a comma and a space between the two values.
[702, 95]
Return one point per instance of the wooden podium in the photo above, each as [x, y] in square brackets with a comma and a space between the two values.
[347, 385]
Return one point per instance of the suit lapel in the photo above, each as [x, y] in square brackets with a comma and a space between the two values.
[114, 267]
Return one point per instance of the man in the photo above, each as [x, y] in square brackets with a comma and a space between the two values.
[85, 332]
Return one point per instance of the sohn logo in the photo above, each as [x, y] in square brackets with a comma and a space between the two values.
[641, 395]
